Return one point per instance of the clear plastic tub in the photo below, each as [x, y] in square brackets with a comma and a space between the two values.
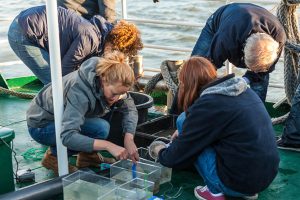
[166, 173]
[84, 185]
[136, 189]
[122, 172]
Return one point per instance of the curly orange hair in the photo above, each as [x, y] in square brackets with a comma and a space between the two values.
[125, 37]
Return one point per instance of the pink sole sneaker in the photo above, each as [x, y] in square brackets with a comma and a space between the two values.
[203, 193]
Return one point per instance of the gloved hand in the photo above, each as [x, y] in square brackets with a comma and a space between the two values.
[155, 1]
[155, 147]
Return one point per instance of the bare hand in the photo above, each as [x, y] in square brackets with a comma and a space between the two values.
[175, 135]
[131, 147]
[118, 152]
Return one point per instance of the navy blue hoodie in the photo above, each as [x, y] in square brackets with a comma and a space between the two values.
[230, 118]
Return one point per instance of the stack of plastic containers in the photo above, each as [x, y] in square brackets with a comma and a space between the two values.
[84, 185]
[135, 189]
[166, 173]
[127, 181]
[123, 171]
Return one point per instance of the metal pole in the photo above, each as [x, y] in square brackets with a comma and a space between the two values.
[124, 9]
[229, 67]
[56, 77]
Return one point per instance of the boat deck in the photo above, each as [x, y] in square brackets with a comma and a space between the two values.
[13, 113]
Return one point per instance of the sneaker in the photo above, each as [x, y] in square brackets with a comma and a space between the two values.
[252, 197]
[92, 160]
[50, 162]
[291, 147]
[202, 192]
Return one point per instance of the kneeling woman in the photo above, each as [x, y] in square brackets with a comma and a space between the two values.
[225, 130]
[97, 88]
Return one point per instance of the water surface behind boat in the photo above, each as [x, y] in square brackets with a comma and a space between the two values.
[193, 11]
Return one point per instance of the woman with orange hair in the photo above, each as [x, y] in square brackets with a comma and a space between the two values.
[225, 131]
[80, 39]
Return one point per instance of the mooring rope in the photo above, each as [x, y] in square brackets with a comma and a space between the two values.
[15, 93]
[166, 74]
[287, 15]
[152, 83]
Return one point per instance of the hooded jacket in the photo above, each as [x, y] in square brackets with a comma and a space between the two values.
[79, 38]
[83, 98]
[230, 118]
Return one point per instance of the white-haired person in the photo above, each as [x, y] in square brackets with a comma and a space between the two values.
[100, 85]
[247, 35]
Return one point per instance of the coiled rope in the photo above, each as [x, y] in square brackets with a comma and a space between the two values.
[287, 15]
[15, 93]
[169, 70]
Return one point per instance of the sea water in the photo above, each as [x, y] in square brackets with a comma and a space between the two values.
[191, 11]
[83, 190]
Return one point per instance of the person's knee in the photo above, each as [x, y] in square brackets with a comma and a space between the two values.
[104, 130]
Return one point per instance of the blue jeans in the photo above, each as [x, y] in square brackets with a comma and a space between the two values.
[34, 57]
[207, 168]
[96, 128]
[291, 131]
[258, 83]
[203, 43]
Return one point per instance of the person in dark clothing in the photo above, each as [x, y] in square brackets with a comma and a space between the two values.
[246, 35]
[80, 39]
[89, 8]
[225, 131]
[290, 139]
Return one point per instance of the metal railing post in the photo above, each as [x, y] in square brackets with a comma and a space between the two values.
[229, 67]
[124, 9]
[56, 77]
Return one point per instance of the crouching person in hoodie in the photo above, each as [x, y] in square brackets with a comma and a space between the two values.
[225, 131]
[101, 84]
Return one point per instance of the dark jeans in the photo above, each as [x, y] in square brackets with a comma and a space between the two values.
[203, 43]
[207, 167]
[291, 131]
[258, 82]
[96, 128]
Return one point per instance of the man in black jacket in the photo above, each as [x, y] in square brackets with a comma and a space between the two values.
[248, 36]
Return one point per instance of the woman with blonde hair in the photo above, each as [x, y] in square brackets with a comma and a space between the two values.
[80, 39]
[99, 85]
[225, 131]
